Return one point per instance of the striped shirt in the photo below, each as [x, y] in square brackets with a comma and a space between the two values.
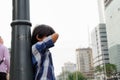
[42, 60]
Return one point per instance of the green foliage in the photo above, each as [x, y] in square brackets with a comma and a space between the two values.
[76, 76]
[110, 69]
[98, 69]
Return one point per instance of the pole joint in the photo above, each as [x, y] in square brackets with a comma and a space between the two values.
[21, 22]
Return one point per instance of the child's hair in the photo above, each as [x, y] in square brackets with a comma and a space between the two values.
[41, 31]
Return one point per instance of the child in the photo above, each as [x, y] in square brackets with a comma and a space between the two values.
[43, 38]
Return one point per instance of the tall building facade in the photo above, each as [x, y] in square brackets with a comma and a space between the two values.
[101, 11]
[100, 48]
[84, 61]
[112, 14]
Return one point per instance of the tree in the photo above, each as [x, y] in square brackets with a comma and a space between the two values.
[76, 76]
[98, 68]
[110, 69]
[63, 75]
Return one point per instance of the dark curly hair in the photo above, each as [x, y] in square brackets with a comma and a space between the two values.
[41, 31]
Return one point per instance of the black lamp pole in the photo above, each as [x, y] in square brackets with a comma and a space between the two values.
[21, 66]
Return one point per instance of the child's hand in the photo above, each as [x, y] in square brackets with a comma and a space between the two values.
[55, 37]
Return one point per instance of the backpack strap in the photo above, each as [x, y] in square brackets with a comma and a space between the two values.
[2, 61]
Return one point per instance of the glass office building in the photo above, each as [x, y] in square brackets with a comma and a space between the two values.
[112, 14]
[100, 49]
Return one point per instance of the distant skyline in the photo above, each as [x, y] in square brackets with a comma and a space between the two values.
[72, 19]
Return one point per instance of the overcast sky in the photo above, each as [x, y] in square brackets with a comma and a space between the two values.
[72, 19]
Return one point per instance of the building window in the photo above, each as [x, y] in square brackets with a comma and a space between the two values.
[118, 9]
[103, 36]
[107, 2]
[110, 16]
[102, 32]
[105, 49]
[103, 40]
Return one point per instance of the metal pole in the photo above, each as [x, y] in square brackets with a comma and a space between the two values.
[104, 67]
[21, 65]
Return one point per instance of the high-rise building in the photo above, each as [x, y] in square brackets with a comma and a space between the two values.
[84, 61]
[112, 14]
[100, 49]
[101, 11]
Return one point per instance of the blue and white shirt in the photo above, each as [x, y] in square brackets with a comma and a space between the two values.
[42, 60]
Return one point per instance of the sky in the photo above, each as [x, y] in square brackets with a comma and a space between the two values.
[73, 20]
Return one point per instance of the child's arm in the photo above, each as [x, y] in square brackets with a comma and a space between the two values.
[54, 37]
[47, 42]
